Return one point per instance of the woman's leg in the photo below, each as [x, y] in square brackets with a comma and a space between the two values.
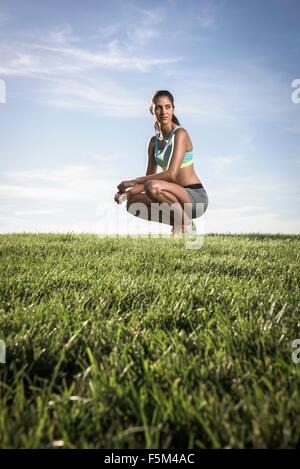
[173, 194]
[141, 206]
[157, 191]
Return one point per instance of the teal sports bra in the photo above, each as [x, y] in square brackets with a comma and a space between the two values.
[162, 157]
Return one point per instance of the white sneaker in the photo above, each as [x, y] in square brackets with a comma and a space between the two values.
[177, 234]
[191, 230]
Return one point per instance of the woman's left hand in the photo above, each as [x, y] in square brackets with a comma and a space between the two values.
[125, 184]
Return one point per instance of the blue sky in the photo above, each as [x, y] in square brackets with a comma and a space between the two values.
[78, 81]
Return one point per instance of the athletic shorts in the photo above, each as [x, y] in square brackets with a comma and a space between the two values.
[199, 199]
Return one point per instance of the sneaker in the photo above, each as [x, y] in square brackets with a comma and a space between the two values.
[190, 230]
[177, 233]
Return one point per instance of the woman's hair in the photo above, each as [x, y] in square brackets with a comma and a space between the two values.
[157, 95]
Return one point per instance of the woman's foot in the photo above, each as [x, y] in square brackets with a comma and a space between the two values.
[190, 229]
[177, 231]
[184, 230]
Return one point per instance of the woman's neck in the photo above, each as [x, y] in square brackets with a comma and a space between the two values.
[166, 130]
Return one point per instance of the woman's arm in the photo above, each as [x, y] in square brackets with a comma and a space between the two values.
[152, 165]
[152, 168]
[171, 173]
[164, 176]
[137, 189]
[150, 172]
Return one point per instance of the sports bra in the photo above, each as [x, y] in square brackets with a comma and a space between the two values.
[162, 157]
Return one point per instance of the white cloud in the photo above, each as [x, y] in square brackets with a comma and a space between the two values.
[38, 212]
[229, 221]
[106, 97]
[221, 163]
[68, 183]
[72, 79]
[62, 35]
[70, 76]
[43, 58]
[87, 193]
[236, 193]
[249, 94]
[88, 206]
[146, 27]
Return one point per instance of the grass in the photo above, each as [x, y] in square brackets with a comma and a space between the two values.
[141, 343]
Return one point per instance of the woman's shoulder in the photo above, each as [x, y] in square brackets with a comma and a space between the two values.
[182, 132]
[183, 135]
[152, 140]
[177, 130]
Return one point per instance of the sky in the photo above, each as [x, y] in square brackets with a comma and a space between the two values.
[76, 80]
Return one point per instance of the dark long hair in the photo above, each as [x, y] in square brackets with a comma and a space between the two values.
[157, 95]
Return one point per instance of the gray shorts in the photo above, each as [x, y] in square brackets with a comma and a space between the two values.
[199, 199]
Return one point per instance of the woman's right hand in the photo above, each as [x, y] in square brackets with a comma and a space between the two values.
[117, 195]
[120, 197]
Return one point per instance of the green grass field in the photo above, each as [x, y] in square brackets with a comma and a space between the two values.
[142, 343]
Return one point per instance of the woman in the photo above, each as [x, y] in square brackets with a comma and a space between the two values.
[177, 185]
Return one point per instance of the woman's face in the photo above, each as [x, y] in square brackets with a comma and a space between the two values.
[163, 110]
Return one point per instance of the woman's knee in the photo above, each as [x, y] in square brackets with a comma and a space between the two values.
[151, 186]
